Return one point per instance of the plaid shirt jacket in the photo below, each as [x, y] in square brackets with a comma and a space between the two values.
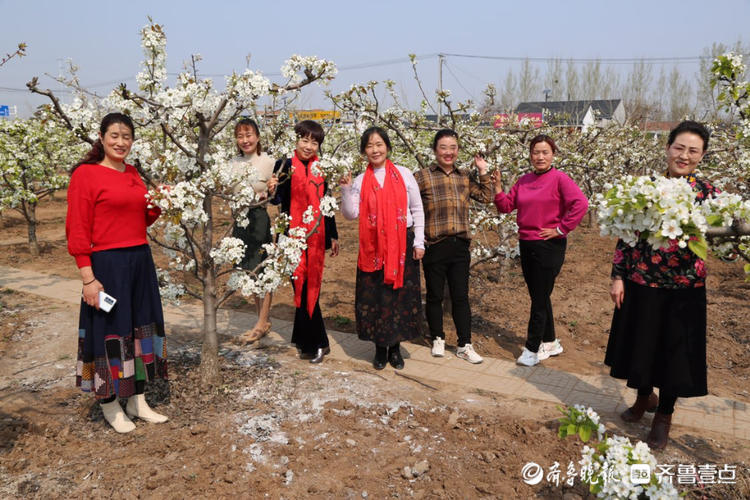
[445, 198]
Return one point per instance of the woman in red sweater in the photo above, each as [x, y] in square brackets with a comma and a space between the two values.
[108, 212]
[550, 205]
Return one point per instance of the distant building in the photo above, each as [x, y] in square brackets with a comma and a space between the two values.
[578, 114]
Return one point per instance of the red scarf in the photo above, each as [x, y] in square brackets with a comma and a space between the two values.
[307, 189]
[382, 225]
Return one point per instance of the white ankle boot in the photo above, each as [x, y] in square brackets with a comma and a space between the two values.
[137, 407]
[116, 417]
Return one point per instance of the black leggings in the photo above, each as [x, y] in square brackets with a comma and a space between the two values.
[541, 261]
[666, 400]
[140, 388]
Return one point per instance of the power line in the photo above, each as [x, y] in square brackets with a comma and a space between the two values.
[386, 62]
[603, 60]
[470, 94]
[401, 60]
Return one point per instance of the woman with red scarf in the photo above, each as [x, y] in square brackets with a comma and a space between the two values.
[301, 185]
[388, 305]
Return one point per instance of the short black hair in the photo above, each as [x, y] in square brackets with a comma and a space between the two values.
[368, 133]
[446, 132]
[310, 128]
[694, 128]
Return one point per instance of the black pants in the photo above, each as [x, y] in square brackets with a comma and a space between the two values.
[541, 261]
[309, 333]
[448, 259]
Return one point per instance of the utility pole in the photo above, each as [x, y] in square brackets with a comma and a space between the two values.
[440, 88]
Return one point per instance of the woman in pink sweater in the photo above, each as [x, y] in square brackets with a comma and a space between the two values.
[550, 205]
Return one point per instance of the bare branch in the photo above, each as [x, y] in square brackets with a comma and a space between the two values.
[34, 88]
[736, 229]
[419, 83]
[20, 52]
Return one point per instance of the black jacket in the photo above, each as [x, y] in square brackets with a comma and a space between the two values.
[283, 196]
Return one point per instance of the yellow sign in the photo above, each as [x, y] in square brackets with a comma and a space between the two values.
[315, 114]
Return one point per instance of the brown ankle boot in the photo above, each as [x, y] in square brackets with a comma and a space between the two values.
[642, 404]
[659, 435]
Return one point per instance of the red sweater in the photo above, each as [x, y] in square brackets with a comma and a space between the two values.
[106, 209]
[550, 199]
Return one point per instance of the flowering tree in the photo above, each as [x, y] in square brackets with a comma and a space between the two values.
[185, 141]
[33, 153]
[592, 157]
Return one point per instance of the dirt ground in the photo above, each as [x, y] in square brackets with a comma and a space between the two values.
[280, 428]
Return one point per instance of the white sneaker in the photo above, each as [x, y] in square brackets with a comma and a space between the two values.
[468, 353]
[438, 347]
[547, 349]
[528, 358]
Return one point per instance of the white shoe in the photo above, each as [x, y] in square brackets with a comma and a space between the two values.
[468, 353]
[438, 347]
[114, 415]
[528, 358]
[547, 349]
[137, 407]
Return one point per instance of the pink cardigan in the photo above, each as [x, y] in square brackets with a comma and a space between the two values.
[550, 199]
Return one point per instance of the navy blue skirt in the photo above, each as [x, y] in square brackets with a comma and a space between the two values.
[127, 344]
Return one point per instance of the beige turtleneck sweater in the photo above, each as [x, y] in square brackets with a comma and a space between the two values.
[249, 165]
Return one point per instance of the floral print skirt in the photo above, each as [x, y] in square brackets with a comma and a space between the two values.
[658, 339]
[386, 316]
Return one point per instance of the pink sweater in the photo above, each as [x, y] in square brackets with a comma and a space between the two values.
[550, 199]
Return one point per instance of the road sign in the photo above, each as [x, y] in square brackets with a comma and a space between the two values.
[4, 110]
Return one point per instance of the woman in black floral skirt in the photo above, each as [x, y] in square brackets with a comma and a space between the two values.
[658, 334]
[388, 304]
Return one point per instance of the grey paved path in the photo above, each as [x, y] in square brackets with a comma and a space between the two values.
[500, 376]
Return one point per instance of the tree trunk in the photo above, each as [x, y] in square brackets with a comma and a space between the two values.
[31, 225]
[209, 371]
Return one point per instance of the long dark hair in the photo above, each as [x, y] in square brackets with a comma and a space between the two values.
[96, 153]
[248, 122]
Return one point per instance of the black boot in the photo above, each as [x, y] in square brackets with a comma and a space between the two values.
[381, 357]
[394, 357]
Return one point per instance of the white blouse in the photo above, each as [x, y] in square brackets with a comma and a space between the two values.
[415, 215]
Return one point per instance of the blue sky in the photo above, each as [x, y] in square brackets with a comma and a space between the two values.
[102, 37]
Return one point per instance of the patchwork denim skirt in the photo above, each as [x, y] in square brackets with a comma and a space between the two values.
[126, 345]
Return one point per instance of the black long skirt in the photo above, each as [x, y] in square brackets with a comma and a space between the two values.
[387, 316]
[116, 349]
[254, 235]
[658, 339]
